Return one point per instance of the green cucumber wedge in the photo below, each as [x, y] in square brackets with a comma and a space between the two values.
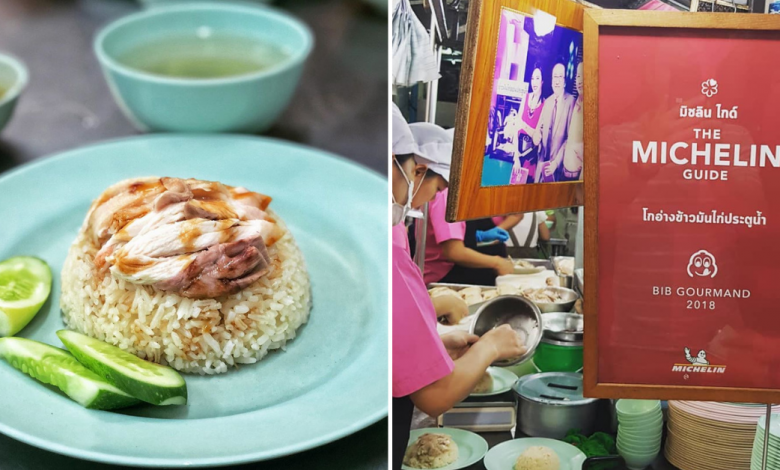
[147, 381]
[25, 284]
[57, 367]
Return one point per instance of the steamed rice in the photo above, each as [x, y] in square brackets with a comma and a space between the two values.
[198, 336]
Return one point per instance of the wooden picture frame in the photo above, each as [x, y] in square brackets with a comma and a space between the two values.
[595, 23]
[468, 199]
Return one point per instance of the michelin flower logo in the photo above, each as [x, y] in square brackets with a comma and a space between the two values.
[709, 88]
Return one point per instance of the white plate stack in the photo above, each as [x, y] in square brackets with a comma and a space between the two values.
[713, 436]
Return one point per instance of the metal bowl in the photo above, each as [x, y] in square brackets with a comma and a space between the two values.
[563, 326]
[521, 314]
[568, 299]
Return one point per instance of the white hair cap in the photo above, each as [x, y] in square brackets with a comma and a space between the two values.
[436, 142]
[404, 142]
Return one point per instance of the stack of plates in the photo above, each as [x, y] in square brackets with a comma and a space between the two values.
[640, 426]
[711, 435]
[773, 455]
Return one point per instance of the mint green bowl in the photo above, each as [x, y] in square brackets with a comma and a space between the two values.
[245, 103]
[629, 407]
[13, 79]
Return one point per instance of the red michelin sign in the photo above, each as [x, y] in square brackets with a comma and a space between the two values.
[688, 222]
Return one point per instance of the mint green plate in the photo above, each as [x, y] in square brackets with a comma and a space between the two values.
[330, 382]
[471, 447]
[503, 380]
[504, 455]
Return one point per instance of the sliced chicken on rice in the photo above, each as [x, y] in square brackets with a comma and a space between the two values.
[199, 239]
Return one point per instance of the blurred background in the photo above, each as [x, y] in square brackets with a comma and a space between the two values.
[67, 102]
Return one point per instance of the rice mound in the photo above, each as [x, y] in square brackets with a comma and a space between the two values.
[431, 450]
[485, 384]
[205, 336]
[538, 458]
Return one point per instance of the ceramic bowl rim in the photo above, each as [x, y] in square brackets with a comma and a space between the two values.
[656, 405]
[272, 14]
[23, 77]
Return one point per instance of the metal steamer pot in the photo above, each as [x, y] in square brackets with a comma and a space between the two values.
[561, 347]
[551, 403]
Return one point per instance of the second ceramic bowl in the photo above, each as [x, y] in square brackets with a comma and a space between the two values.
[249, 102]
[13, 79]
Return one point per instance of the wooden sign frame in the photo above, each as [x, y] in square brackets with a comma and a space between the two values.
[594, 21]
[468, 199]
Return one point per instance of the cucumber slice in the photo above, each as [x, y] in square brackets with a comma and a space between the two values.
[147, 381]
[56, 367]
[25, 284]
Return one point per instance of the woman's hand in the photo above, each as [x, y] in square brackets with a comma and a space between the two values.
[451, 307]
[494, 234]
[457, 343]
[505, 341]
[503, 266]
[549, 170]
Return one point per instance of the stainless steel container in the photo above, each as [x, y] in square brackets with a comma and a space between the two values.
[550, 404]
[568, 298]
[563, 326]
[521, 314]
[566, 280]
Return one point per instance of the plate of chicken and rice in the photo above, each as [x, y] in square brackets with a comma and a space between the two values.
[213, 301]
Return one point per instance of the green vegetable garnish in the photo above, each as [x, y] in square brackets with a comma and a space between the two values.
[25, 284]
[56, 367]
[147, 381]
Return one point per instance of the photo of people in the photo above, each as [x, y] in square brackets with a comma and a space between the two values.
[534, 130]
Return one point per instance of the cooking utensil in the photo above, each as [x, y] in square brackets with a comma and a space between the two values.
[563, 326]
[521, 314]
[551, 403]
[579, 281]
[567, 280]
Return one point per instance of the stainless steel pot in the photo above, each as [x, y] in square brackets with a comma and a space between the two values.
[521, 314]
[568, 299]
[563, 326]
[550, 404]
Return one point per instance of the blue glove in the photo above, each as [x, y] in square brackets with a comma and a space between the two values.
[495, 233]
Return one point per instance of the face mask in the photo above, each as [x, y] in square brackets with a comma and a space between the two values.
[400, 211]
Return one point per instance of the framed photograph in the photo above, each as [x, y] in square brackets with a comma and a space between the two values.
[681, 168]
[720, 6]
[518, 133]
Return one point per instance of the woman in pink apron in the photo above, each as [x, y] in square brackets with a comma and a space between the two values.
[429, 372]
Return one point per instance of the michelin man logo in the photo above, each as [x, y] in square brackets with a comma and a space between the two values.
[702, 264]
[700, 359]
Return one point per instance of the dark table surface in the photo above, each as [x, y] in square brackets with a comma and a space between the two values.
[341, 106]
